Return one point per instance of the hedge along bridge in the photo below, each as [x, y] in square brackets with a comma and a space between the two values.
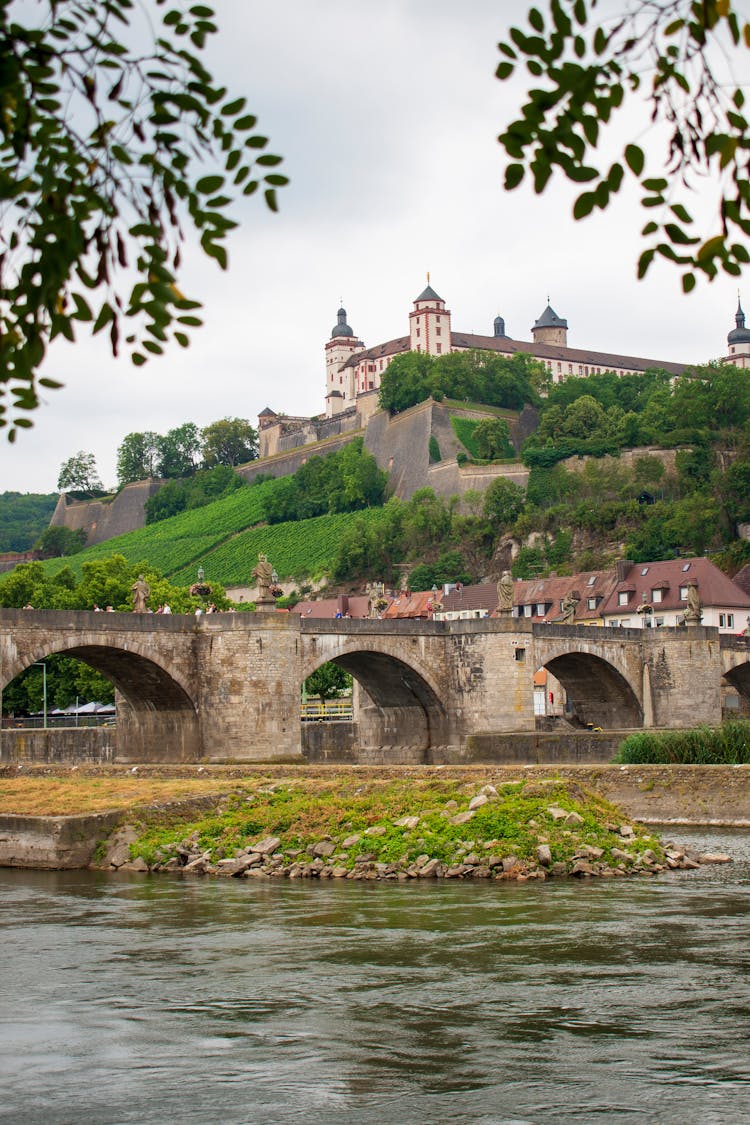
[227, 686]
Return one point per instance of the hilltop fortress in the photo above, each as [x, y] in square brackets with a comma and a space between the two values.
[400, 444]
[353, 372]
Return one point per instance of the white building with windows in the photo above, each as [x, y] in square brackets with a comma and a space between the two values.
[655, 594]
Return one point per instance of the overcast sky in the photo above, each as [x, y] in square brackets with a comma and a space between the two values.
[387, 115]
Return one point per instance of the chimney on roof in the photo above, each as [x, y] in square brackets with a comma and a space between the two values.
[623, 566]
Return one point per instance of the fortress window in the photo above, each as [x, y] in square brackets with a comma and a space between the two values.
[438, 331]
[440, 349]
[520, 655]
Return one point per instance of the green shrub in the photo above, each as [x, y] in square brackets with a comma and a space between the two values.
[728, 744]
[434, 449]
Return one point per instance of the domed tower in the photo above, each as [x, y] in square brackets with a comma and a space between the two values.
[550, 328]
[430, 324]
[339, 378]
[738, 340]
[499, 327]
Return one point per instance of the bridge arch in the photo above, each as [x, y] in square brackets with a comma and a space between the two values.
[397, 702]
[599, 694]
[736, 674]
[157, 718]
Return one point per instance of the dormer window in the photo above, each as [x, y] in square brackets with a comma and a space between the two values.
[623, 597]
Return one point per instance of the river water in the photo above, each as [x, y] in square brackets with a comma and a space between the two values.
[160, 1000]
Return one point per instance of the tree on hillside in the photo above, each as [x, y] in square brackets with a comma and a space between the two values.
[55, 542]
[180, 451]
[681, 55]
[79, 474]
[405, 381]
[504, 501]
[230, 441]
[137, 457]
[114, 138]
[492, 439]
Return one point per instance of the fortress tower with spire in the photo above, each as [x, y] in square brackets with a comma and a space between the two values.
[354, 372]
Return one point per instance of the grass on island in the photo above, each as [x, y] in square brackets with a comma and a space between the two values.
[303, 811]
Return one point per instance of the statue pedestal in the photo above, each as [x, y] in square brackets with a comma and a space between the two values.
[265, 605]
[692, 618]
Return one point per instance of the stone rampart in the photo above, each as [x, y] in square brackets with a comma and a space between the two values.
[104, 519]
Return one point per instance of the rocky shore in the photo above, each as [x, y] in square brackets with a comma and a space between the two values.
[559, 841]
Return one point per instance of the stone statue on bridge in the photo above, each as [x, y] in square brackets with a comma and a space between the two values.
[694, 612]
[569, 607]
[141, 593]
[263, 575]
[505, 594]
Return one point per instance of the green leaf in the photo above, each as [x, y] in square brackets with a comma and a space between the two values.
[634, 159]
[688, 282]
[514, 173]
[207, 185]
[504, 70]
[584, 205]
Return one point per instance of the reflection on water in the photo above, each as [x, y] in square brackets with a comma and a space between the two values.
[131, 999]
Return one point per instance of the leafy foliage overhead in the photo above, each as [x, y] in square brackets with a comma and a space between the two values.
[108, 149]
[681, 55]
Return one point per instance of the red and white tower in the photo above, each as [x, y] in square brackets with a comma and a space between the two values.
[430, 324]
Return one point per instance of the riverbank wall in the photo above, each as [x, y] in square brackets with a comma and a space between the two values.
[336, 743]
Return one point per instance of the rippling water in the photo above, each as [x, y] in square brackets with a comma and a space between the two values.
[131, 999]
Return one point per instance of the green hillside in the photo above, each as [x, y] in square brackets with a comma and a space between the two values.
[23, 518]
[224, 538]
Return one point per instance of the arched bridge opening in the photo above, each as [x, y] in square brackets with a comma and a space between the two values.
[597, 694]
[156, 718]
[736, 690]
[394, 708]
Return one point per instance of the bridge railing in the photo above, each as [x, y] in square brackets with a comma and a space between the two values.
[329, 710]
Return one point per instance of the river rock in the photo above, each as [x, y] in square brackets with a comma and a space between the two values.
[237, 866]
[407, 822]
[430, 870]
[582, 867]
[350, 841]
[544, 855]
[573, 818]
[714, 857]
[557, 813]
[478, 801]
[463, 817]
[323, 848]
[339, 872]
[266, 846]
[137, 864]
[376, 830]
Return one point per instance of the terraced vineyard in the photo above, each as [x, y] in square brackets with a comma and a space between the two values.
[297, 550]
[224, 538]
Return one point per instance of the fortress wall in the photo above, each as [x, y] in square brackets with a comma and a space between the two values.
[102, 519]
[627, 457]
[282, 464]
[400, 445]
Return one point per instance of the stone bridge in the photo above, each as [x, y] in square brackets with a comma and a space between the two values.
[227, 686]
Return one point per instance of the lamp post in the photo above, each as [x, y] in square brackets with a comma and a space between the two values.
[43, 666]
